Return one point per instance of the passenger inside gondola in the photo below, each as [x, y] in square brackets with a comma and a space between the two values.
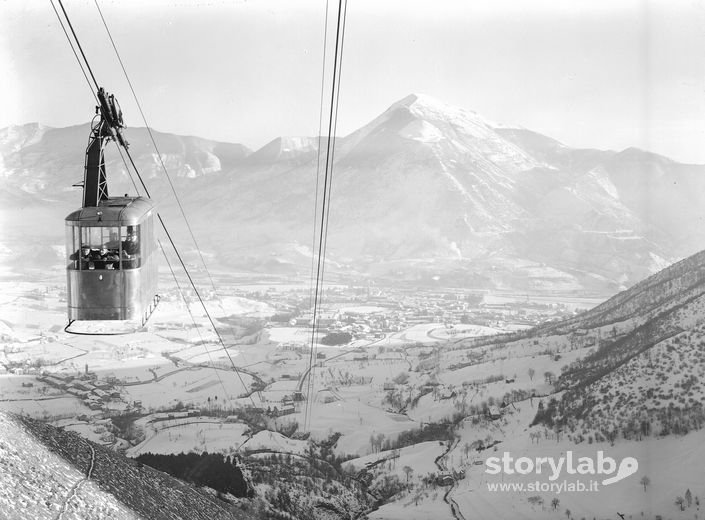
[102, 258]
[96, 254]
[109, 258]
[109, 247]
[82, 258]
[131, 249]
[130, 244]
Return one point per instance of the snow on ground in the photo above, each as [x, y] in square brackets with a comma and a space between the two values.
[420, 457]
[276, 391]
[437, 333]
[301, 336]
[26, 395]
[39, 352]
[128, 357]
[429, 506]
[672, 464]
[46, 407]
[267, 440]
[5, 329]
[197, 435]
[377, 370]
[235, 305]
[461, 331]
[570, 302]
[290, 334]
[417, 333]
[136, 370]
[192, 387]
[357, 410]
[421, 502]
[34, 482]
[23, 387]
[513, 368]
[212, 353]
[357, 421]
[92, 432]
[430, 409]
[29, 310]
[172, 310]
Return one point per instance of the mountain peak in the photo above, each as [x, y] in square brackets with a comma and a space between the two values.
[420, 98]
[635, 154]
[286, 148]
[430, 108]
[424, 102]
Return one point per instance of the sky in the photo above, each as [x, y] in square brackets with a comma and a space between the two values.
[605, 74]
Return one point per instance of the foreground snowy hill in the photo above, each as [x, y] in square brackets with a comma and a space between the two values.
[51, 473]
[645, 377]
[624, 378]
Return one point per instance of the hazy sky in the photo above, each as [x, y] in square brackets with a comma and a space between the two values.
[590, 73]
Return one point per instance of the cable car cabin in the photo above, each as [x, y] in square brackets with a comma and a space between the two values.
[112, 265]
[111, 262]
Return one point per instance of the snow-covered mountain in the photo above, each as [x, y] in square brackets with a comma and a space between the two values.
[641, 368]
[423, 190]
[624, 378]
[288, 150]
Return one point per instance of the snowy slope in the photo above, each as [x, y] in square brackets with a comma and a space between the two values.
[38, 483]
[52, 473]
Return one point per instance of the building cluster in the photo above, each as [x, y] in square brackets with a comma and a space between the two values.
[184, 414]
[285, 407]
[394, 309]
[92, 391]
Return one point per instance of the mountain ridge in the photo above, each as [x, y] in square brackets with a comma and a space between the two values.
[423, 180]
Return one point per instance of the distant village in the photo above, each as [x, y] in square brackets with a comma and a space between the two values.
[352, 313]
[368, 313]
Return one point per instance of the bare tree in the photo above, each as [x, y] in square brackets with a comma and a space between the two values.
[680, 502]
[555, 503]
[532, 372]
[380, 441]
[645, 481]
[408, 470]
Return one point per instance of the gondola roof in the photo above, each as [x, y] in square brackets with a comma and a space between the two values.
[114, 211]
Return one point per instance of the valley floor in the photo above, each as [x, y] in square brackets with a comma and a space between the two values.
[382, 394]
